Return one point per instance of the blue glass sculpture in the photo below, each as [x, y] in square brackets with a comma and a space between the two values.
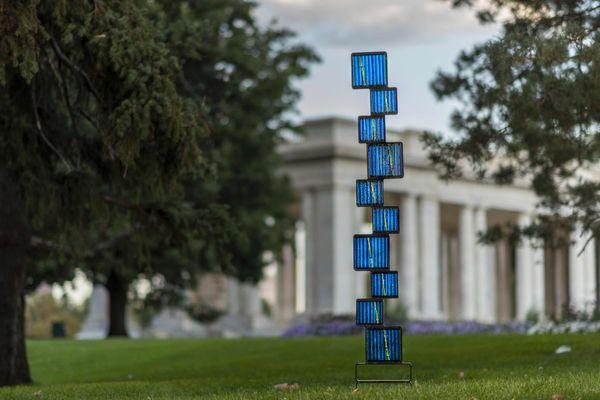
[369, 70]
[369, 312]
[384, 101]
[371, 252]
[369, 192]
[384, 284]
[371, 129]
[385, 160]
[383, 344]
[386, 219]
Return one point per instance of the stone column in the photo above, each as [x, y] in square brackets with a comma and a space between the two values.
[468, 270]
[300, 238]
[233, 296]
[308, 213]
[577, 271]
[329, 217]
[286, 287]
[538, 277]
[344, 277]
[486, 273]
[524, 273]
[409, 265]
[250, 305]
[95, 325]
[591, 280]
[429, 246]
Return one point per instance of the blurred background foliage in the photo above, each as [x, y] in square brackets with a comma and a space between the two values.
[528, 111]
[43, 310]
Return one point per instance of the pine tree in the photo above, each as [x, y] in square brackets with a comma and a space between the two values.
[530, 101]
[138, 140]
[92, 129]
[241, 74]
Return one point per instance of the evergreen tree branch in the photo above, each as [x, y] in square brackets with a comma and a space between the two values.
[38, 125]
[75, 68]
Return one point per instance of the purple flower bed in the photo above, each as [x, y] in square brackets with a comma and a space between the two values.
[461, 327]
[323, 328]
[342, 327]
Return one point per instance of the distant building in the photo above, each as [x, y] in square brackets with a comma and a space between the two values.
[444, 273]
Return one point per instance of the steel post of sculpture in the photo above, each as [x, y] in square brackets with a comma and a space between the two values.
[383, 344]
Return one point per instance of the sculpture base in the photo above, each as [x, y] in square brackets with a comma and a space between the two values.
[357, 379]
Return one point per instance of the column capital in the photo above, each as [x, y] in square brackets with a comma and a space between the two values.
[428, 197]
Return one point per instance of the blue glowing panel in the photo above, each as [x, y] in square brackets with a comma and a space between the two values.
[386, 219]
[384, 284]
[369, 70]
[383, 344]
[369, 312]
[384, 101]
[385, 160]
[371, 129]
[371, 252]
[369, 192]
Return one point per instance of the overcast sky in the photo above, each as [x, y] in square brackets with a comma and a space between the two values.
[420, 36]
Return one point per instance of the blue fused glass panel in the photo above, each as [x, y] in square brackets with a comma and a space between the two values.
[384, 101]
[371, 129]
[371, 252]
[384, 284]
[369, 70]
[384, 345]
[369, 192]
[386, 219]
[369, 312]
[385, 160]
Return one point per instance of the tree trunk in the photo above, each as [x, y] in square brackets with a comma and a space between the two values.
[14, 369]
[117, 293]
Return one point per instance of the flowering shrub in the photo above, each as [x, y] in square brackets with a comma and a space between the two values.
[564, 327]
[344, 325]
[461, 327]
[572, 321]
[325, 325]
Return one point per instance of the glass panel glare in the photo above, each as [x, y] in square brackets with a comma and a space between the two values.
[384, 101]
[371, 252]
[369, 192]
[385, 160]
[384, 284]
[371, 129]
[369, 70]
[369, 312]
[384, 345]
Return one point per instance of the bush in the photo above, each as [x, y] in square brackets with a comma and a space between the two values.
[327, 325]
[43, 310]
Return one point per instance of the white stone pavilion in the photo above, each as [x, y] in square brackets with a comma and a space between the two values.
[444, 273]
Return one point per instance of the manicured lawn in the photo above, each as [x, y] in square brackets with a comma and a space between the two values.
[457, 367]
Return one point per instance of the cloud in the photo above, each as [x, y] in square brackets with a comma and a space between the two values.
[355, 23]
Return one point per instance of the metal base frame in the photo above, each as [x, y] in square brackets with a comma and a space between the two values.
[357, 380]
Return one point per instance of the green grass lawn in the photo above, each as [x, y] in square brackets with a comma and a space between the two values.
[454, 367]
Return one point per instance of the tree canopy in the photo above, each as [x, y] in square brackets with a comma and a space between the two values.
[138, 138]
[530, 100]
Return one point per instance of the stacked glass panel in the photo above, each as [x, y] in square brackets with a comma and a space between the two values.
[383, 344]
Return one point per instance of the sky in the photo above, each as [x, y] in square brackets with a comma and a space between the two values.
[420, 36]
